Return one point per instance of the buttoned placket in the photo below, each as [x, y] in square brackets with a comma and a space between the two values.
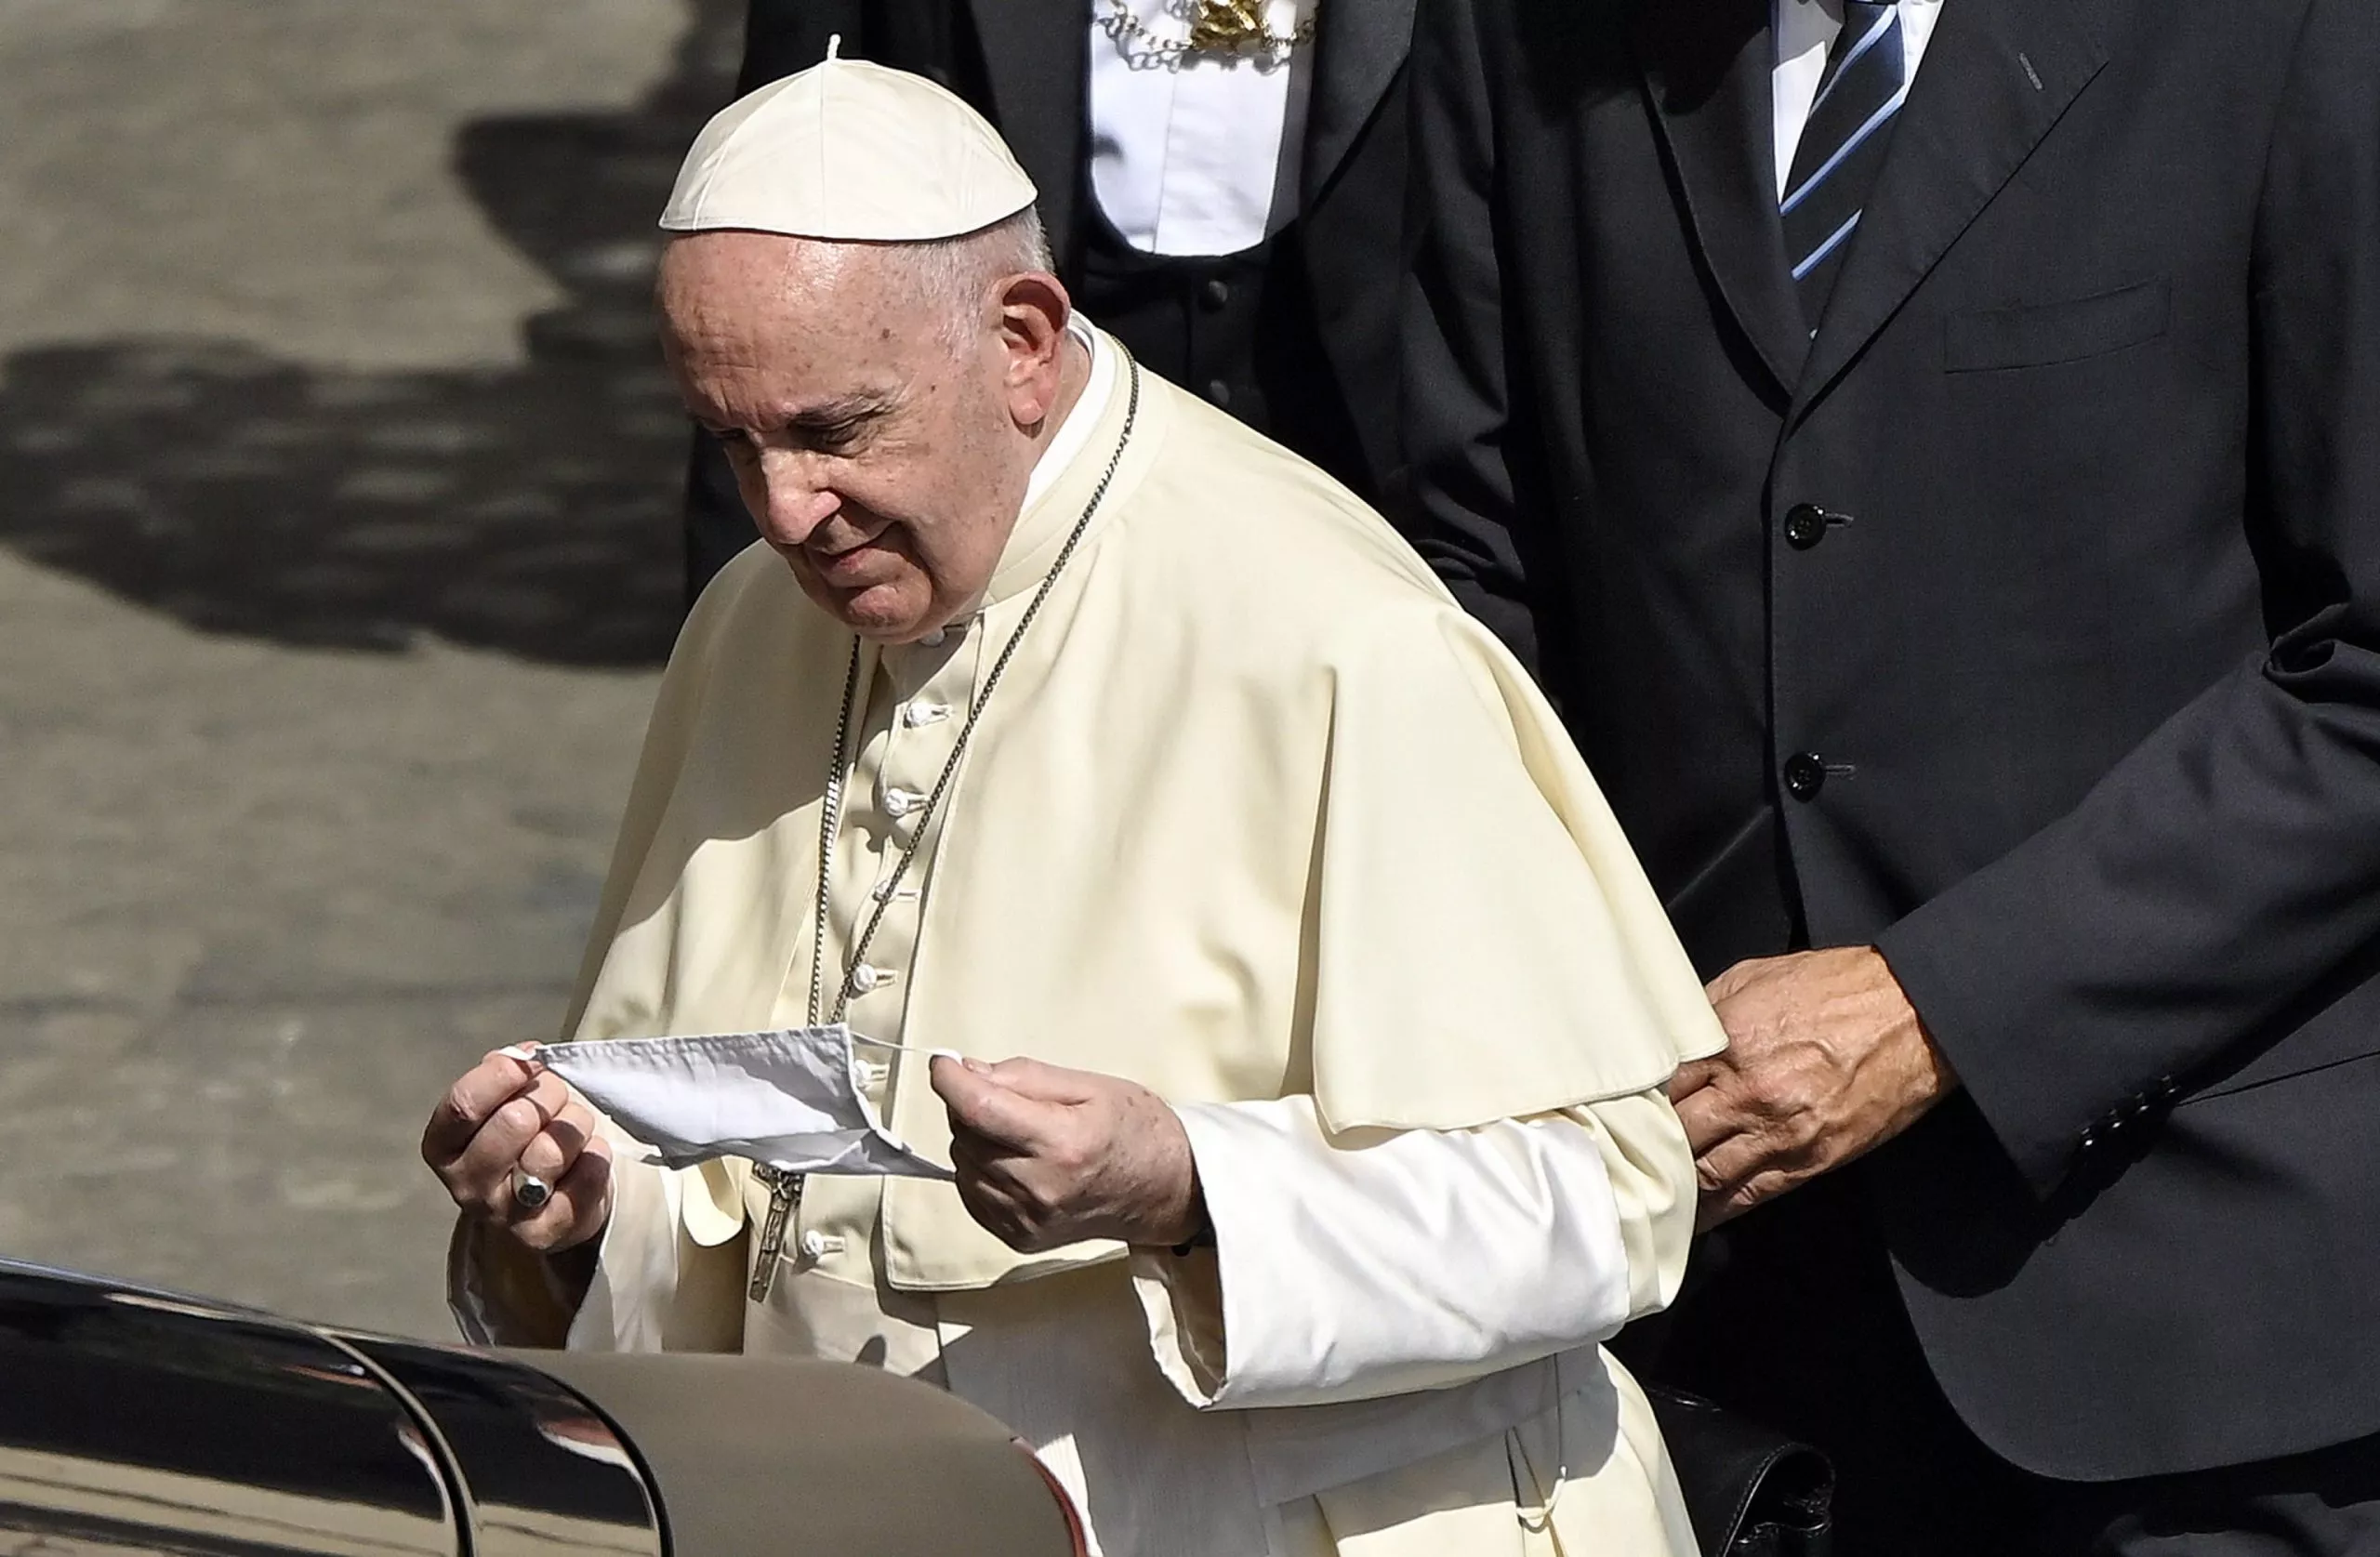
[915, 706]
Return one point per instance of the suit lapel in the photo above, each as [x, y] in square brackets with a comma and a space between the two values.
[1033, 53]
[1996, 75]
[1706, 65]
[1358, 47]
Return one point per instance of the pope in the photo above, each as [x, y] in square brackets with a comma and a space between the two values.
[1309, 1126]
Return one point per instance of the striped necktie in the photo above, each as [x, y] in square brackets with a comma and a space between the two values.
[1841, 146]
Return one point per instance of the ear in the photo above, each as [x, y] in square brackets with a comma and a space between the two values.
[1033, 309]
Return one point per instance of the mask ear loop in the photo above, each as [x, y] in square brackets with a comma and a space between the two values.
[859, 1088]
[527, 1052]
[908, 1048]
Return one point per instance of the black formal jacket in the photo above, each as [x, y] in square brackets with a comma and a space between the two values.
[1022, 64]
[2069, 700]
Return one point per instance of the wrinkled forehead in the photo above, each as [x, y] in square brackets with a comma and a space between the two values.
[762, 297]
[706, 274]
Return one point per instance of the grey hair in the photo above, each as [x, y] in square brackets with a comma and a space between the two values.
[951, 274]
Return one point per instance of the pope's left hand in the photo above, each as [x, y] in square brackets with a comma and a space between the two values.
[1826, 1060]
[1047, 1156]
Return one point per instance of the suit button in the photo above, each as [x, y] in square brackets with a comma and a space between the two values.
[1214, 295]
[1805, 776]
[1804, 526]
[1219, 392]
[2091, 1139]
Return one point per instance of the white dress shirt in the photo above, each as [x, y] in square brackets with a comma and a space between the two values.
[1198, 155]
[1804, 31]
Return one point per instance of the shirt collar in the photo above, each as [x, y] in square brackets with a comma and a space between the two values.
[1053, 502]
[1074, 432]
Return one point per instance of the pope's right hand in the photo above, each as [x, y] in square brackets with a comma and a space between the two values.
[504, 1118]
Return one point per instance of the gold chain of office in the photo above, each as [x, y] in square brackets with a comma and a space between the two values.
[1216, 27]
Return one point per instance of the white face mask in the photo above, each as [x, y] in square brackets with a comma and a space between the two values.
[791, 1100]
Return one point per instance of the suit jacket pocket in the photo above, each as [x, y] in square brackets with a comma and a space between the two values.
[2041, 334]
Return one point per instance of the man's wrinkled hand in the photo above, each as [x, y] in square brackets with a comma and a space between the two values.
[504, 1116]
[1047, 1156]
[1826, 1060]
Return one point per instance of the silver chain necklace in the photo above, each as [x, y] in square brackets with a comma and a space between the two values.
[785, 1188]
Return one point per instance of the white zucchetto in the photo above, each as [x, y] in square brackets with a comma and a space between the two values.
[849, 151]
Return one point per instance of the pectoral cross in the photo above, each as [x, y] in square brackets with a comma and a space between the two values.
[785, 1198]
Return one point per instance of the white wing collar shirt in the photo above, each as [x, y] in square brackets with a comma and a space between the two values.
[1260, 819]
[1196, 152]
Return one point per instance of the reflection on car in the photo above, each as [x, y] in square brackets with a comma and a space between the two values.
[139, 1421]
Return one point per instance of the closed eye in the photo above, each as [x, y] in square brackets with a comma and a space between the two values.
[837, 429]
[834, 429]
[834, 438]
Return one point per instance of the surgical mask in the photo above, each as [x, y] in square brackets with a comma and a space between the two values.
[791, 1100]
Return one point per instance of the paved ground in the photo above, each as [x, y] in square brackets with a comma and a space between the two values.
[337, 552]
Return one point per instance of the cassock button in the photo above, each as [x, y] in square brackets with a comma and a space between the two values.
[916, 714]
[1220, 393]
[864, 978]
[932, 639]
[1804, 525]
[898, 803]
[1215, 293]
[1805, 776]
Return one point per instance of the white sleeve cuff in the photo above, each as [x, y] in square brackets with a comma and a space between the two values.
[1381, 1262]
[636, 1281]
[502, 1295]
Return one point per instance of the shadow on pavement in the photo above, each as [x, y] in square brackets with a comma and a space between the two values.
[530, 511]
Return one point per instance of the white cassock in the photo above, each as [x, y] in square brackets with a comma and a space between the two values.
[1260, 818]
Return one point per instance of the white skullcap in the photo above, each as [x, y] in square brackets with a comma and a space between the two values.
[848, 150]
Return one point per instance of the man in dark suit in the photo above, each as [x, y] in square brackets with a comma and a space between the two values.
[1932, 454]
[1290, 323]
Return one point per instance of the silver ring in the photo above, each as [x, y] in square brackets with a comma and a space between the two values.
[529, 1191]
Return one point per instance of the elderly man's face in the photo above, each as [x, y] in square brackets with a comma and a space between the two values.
[884, 466]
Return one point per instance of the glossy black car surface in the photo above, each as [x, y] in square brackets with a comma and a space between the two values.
[134, 1422]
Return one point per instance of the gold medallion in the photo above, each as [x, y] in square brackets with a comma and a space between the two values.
[1217, 29]
[1226, 26]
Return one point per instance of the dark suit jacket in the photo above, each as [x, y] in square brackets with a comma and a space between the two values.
[2084, 682]
[1021, 63]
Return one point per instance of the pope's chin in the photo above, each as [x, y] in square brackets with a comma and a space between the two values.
[890, 610]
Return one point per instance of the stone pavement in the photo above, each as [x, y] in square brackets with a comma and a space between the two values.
[337, 551]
